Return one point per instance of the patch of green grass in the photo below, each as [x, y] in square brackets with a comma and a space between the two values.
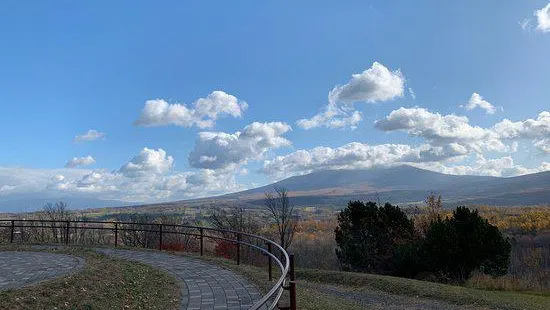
[103, 283]
[414, 288]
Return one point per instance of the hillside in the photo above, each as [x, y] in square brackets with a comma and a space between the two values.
[402, 185]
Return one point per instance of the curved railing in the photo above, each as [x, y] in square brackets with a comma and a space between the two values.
[154, 235]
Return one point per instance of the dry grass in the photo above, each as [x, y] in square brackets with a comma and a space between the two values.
[104, 283]
[530, 285]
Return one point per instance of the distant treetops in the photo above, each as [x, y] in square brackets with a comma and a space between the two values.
[382, 239]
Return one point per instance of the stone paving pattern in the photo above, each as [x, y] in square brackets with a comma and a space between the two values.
[18, 269]
[204, 286]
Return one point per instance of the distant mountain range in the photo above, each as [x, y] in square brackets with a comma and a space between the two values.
[37, 203]
[403, 185]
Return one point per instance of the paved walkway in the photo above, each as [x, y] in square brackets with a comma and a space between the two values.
[204, 286]
[18, 269]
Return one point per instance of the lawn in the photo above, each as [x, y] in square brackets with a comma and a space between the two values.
[103, 283]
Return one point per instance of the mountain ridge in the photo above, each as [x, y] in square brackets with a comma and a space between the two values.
[404, 184]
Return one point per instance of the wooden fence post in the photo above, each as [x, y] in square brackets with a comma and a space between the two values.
[160, 237]
[292, 283]
[238, 248]
[12, 230]
[269, 263]
[116, 234]
[293, 295]
[202, 242]
[67, 233]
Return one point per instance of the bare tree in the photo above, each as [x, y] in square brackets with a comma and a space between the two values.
[283, 214]
[236, 219]
[57, 213]
[434, 210]
[434, 205]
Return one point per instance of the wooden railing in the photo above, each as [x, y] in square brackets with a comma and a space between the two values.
[154, 234]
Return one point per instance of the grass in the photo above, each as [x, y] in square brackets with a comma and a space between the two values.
[530, 283]
[453, 294]
[103, 283]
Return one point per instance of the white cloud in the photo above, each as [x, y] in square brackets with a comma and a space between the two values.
[148, 162]
[497, 167]
[375, 84]
[525, 24]
[440, 129]
[447, 138]
[355, 155]
[148, 177]
[476, 101]
[332, 117]
[90, 135]
[543, 18]
[80, 161]
[219, 150]
[543, 145]
[412, 93]
[28, 181]
[203, 113]
[527, 129]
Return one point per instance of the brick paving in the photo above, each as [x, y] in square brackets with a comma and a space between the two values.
[204, 286]
[18, 269]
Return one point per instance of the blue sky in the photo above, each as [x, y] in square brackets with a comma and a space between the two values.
[70, 67]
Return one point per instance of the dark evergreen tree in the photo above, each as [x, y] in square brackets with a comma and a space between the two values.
[367, 236]
[456, 246]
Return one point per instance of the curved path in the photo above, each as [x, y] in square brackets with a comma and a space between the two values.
[18, 269]
[204, 286]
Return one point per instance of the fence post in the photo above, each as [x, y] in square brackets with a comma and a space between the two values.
[67, 233]
[292, 283]
[269, 263]
[293, 295]
[116, 234]
[238, 248]
[291, 267]
[202, 243]
[12, 230]
[160, 237]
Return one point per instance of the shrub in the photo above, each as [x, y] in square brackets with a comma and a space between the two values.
[225, 249]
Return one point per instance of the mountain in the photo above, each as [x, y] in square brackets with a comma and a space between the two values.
[403, 185]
